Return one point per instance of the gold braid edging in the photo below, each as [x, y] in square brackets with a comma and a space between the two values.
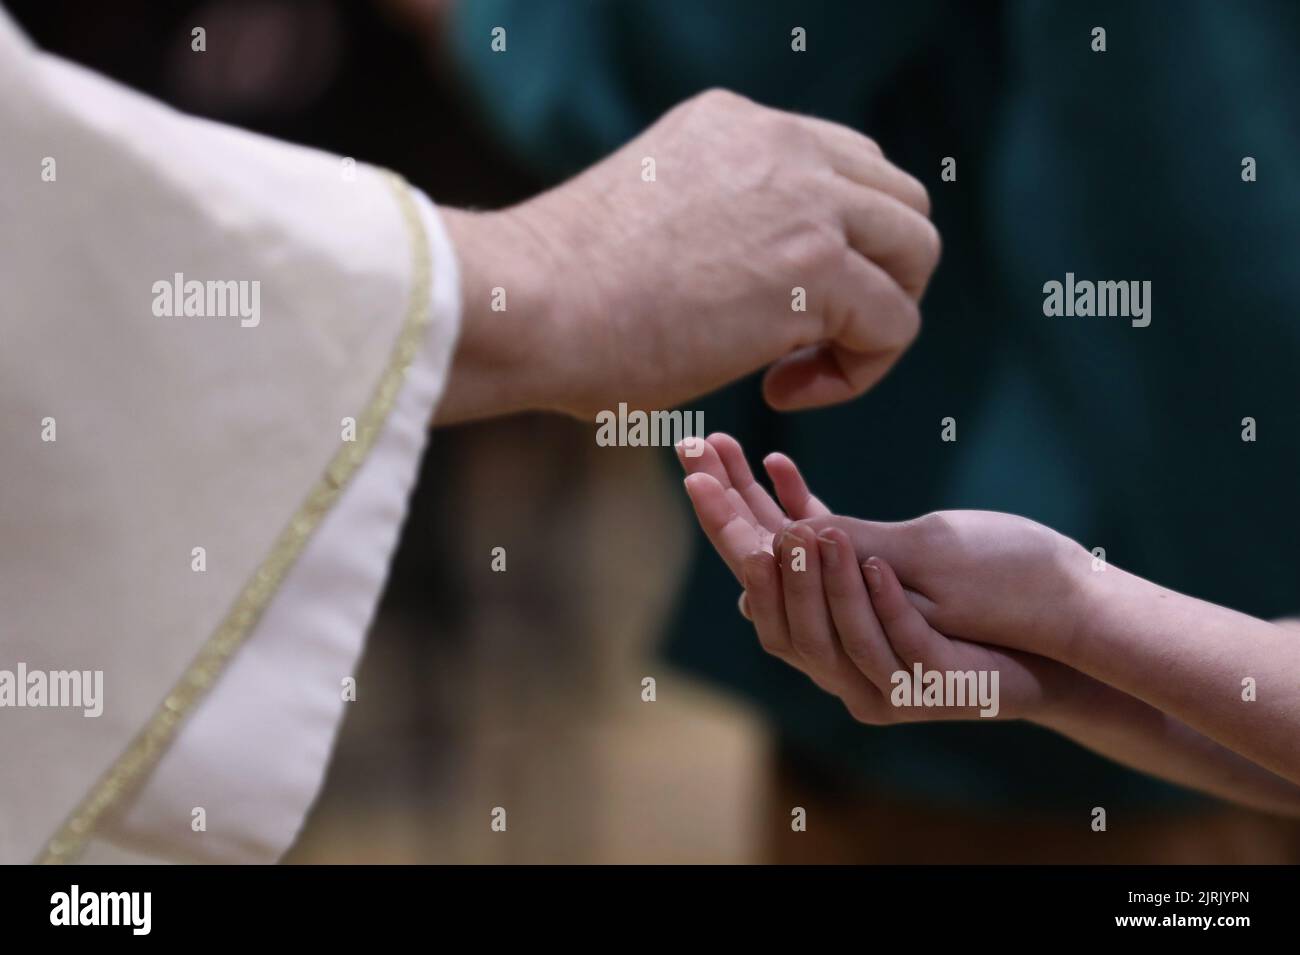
[131, 768]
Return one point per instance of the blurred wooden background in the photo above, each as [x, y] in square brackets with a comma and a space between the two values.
[532, 701]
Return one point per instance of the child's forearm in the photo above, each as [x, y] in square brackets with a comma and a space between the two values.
[1141, 737]
[1232, 677]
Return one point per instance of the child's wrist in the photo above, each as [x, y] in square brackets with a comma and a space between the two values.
[1095, 588]
[1073, 599]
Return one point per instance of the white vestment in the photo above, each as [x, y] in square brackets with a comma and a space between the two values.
[198, 497]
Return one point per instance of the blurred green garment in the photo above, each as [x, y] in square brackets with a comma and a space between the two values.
[1122, 165]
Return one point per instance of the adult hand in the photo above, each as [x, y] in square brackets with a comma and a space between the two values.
[623, 287]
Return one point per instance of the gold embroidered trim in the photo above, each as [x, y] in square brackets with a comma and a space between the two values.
[143, 753]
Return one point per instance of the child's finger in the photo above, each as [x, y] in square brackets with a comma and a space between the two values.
[812, 635]
[903, 543]
[741, 507]
[765, 604]
[791, 489]
[861, 636]
[706, 461]
[913, 639]
[805, 604]
[742, 479]
[731, 534]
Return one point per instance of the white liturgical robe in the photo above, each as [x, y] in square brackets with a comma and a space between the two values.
[219, 358]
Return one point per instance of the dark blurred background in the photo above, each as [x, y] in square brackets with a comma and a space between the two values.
[523, 689]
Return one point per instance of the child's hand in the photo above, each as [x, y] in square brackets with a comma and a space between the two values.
[822, 620]
[983, 576]
[740, 516]
[979, 575]
[855, 632]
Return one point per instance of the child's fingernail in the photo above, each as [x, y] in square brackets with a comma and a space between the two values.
[751, 571]
[872, 573]
[829, 551]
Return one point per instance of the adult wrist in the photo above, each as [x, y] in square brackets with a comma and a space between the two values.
[512, 351]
